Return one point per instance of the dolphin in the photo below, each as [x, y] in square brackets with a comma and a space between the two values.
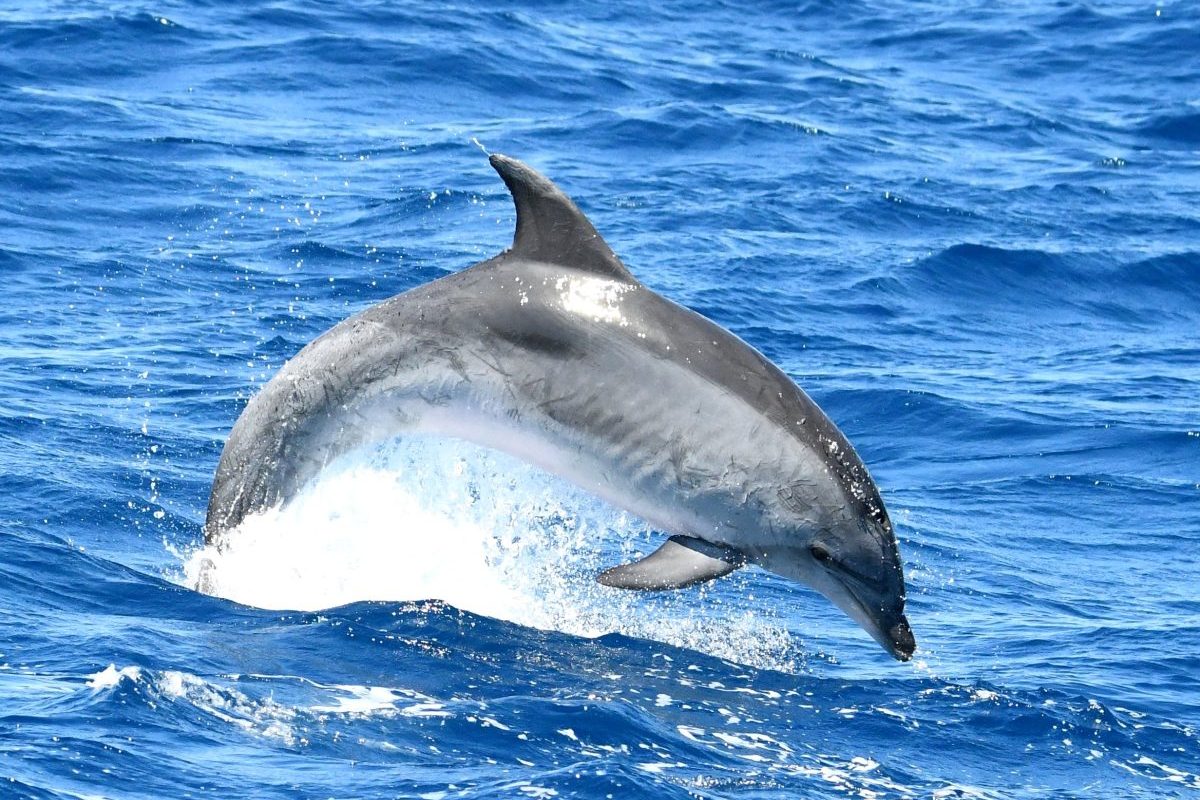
[555, 353]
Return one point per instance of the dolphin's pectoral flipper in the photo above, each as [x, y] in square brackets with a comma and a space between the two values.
[681, 561]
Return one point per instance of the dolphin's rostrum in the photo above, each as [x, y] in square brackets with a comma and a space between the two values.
[552, 351]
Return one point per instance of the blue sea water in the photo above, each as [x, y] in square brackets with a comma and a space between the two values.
[970, 231]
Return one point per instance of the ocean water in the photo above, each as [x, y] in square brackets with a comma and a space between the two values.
[970, 231]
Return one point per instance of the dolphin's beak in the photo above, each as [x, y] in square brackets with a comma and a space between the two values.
[891, 630]
[900, 640]
[878, 609]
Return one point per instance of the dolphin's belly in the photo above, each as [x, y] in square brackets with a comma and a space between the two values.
[679, 452]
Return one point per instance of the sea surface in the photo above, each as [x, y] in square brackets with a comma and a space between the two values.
[971, 231]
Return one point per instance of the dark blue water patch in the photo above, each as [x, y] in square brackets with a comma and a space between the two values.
[1179, 127]
[31, 791]
[1157, 44]
[980, 276]
[980, 39]
[27, 556]
[83, 50]
[1075, 18]
[967, 272]
[1174, 273]
[960, 421]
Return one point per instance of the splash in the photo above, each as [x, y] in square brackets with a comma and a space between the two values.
[434, 518]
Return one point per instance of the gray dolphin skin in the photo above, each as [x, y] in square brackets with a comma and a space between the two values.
[553, 352]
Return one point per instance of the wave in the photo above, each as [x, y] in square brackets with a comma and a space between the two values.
[1108, 290]
[438, 518]
[1182, 127]
[647, 714]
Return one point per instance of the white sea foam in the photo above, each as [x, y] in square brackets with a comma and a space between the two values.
[110, 676]
[259, 716]
[428, 518]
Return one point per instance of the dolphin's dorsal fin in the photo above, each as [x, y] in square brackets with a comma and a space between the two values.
[551, 228]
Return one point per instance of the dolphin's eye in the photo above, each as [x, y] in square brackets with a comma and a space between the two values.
[821, 553]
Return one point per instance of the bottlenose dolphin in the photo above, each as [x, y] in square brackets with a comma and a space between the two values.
[553, 352]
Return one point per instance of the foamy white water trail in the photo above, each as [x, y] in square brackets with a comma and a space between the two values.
[433, 518]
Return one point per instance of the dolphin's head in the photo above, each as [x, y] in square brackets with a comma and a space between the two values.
[851, 558]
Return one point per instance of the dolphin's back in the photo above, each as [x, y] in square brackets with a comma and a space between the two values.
[579, 357]
[602, 327]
